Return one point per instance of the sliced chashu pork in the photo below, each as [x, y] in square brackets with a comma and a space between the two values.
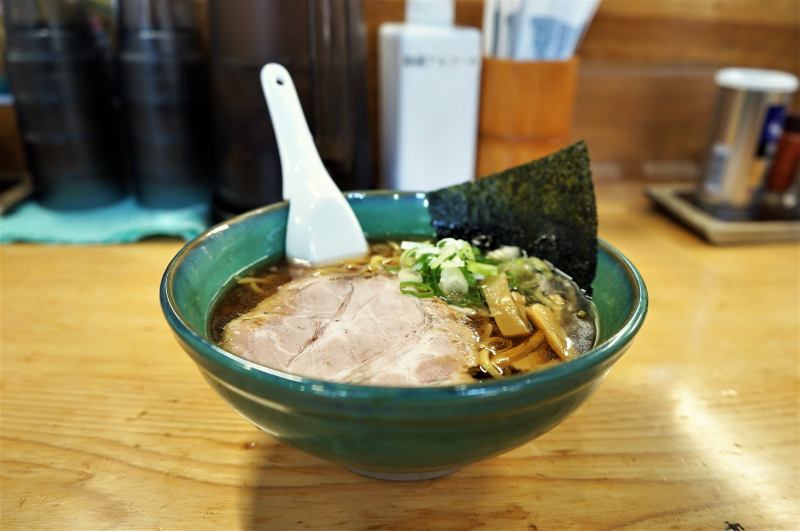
[356, 330]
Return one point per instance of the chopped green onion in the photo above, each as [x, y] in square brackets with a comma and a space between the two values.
[417, 289]
[453, 282]
[485, 270]
[406, 275]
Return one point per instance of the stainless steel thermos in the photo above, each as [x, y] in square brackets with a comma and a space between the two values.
[749, 115]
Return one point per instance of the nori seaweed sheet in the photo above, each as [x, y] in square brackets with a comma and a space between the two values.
[546, 207]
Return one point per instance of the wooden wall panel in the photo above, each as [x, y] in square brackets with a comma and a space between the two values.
[644, 122]
[762, 33]
[646, 92]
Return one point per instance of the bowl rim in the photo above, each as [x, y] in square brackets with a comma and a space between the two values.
[327, 389]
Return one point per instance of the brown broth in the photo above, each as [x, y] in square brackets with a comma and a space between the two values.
[238, 299]
[249, 290]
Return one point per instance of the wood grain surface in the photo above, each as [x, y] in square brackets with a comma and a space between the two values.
[106, 423]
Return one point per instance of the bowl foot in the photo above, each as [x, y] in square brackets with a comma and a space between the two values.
[400, 476]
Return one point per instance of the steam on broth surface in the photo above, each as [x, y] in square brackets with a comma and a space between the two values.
[410, 314]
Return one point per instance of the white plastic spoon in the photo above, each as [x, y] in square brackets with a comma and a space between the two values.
[322, 227]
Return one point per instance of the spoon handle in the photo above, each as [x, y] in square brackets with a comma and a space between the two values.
[299, 157]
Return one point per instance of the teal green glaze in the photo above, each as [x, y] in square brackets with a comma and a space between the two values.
[613, 305]
[383, 429]
[389, 214]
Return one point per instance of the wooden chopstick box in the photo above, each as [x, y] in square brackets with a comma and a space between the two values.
[526, 111]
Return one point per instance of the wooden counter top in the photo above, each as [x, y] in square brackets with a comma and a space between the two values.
[106, 423]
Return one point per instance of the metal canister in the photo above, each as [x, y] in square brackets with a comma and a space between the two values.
[58, 70]
[749, 115]
[165, 93]
[321, 43]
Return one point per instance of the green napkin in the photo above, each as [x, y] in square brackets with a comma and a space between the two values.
[125, 221]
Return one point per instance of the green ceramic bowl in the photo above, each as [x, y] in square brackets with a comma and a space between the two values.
[386, 432]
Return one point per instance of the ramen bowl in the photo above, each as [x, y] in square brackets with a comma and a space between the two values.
[386, 432]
